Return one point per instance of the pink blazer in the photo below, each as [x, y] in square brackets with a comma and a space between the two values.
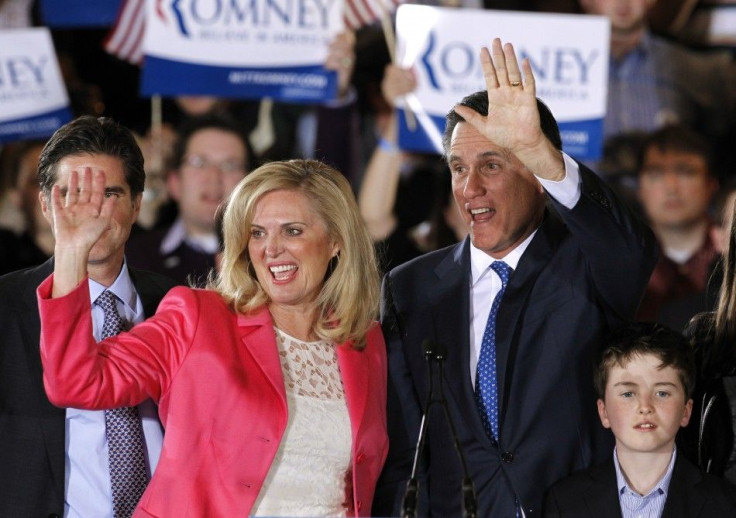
[216, 377]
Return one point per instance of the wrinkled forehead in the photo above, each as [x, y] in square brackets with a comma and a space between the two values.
[468, 144]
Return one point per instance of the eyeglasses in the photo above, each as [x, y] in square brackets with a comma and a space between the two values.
[200, 163]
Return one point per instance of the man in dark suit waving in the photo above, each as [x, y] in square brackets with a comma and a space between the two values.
[54, 461]
[552, 262]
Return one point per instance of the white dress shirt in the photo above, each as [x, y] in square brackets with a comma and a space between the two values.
[485, 283]
[87, 489]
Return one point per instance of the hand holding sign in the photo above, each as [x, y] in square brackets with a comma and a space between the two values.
[341, 58]
[513, 117]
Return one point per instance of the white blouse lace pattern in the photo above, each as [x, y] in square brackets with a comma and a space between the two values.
[308, 474]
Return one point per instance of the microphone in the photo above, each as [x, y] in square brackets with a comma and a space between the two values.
[410, 500]
[436, 352]
[469, 498]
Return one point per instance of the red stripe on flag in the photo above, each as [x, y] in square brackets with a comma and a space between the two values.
[365, 12]
[125, 40]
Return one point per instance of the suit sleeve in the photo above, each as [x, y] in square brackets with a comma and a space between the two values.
[619, 249]
[120, 371]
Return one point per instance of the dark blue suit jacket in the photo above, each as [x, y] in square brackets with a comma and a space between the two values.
[583, 273]
[592, 493]
[32, 430]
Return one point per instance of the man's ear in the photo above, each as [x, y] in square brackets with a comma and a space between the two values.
[137, 204]
[46, 208]
[688, 412]
[603, 414]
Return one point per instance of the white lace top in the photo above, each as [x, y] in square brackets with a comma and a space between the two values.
[308, 475]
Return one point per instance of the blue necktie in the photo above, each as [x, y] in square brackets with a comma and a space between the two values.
[486, 385]
[128, 473]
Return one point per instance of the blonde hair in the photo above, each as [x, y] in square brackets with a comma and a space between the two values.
[348, 300]
[725, 322]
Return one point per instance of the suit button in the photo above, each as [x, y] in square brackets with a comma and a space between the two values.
[360, 458]
[507, 457]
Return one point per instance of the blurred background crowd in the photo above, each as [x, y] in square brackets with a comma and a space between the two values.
[669, 134]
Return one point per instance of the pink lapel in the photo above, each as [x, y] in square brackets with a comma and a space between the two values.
[355, 372]
[256, 331]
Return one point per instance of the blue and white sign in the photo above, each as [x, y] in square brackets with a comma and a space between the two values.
[568, 55]
[79, 13]
[241, 48]
[33, 99]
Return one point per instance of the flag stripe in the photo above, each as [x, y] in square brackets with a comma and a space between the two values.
[126, 38]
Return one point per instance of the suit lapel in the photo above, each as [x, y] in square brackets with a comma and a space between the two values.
[516, 300]
[681, 499]
[355, 374]
[149, 293]
[450, 327]
[259, 339]
[601, 495]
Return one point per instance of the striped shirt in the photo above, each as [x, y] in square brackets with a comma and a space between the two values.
[651, 505]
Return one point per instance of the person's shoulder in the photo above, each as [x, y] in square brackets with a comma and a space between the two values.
[152, 280]
[683, 58]
[578, 480]
[428, 262]
[25, 279]
[718, 492]
[568, 496]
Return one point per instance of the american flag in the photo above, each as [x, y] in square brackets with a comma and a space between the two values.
[125, 39]
[359, 13]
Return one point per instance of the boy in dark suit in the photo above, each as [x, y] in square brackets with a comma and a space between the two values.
[643, 379]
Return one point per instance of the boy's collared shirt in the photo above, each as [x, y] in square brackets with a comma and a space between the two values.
[651, 505]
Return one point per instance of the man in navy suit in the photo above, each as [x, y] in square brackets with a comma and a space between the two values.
[577, 263]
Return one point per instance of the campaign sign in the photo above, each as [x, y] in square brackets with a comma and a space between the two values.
[568, 55]
[241, 48]
[79, 13]
[33, 99]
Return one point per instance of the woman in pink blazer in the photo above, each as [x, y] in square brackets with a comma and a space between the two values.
[271, 384]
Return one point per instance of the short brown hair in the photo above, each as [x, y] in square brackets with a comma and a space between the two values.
[638, 338]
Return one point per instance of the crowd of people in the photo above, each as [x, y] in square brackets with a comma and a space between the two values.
[252, 309]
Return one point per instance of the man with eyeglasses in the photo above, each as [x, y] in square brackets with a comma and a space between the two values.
[676, 187]
[210, 158]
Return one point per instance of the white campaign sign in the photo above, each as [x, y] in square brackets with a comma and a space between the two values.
[33, 98]
[240, 48]
[568, 55]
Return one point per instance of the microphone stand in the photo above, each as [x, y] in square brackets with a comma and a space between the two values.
[437, 352]
[410, 500]
[470, 500]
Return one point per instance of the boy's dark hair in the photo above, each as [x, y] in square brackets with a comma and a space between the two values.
[89, 135]
[219, 121]
[669, 346]
[679, 139]
[478, 102]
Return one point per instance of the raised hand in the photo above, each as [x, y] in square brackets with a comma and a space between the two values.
[512, 121]
[80, 217]
[84, 214]
[397, 82]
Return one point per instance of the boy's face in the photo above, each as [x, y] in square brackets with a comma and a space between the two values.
[644, 405]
